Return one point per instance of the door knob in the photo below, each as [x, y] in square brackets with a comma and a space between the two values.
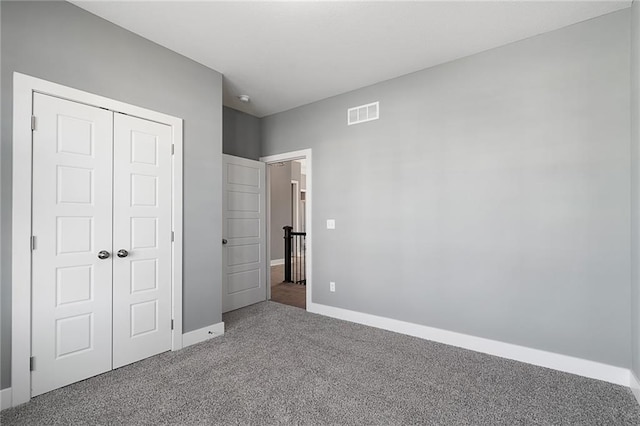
[123, 253]
[224, 241]
[103, 254]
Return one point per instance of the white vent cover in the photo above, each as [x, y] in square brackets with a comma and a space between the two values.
[363, 113]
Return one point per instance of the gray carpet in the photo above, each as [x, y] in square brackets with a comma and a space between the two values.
[278, 364]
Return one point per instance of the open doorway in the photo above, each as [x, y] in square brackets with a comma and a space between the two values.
[289, 242]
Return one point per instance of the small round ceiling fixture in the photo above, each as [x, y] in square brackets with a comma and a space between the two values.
[244, 98]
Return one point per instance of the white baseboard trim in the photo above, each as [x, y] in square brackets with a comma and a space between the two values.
[5, 399]
[277, 262]
[635, 386]
[568, 364]
[202, 334]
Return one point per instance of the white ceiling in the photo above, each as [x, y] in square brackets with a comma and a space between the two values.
[287, 54]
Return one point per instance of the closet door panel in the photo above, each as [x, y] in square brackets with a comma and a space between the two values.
[141, 239]
[71, 221]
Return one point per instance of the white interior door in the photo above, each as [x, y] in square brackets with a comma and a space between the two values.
[243, 213]
[71, 222]
[141, 239]
[102, 241]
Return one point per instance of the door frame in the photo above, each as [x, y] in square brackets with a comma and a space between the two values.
[304, 154]
[24, 86]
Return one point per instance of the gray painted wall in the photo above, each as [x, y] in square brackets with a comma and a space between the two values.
[296, 175]
[491, 198]
[635, 184]
[62, 43]
[240, 134]
[296, 171]
[280, 210]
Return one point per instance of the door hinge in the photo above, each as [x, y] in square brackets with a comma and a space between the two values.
[33, 122]
[173, 236]
[33, 242]
[173, 149]
[172, 324]
[32, 363]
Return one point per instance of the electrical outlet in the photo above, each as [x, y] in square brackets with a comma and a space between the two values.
[331, 224]
[332, 286]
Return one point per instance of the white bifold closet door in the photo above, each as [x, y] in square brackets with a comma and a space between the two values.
[71, 221]
[142, 227]
[101, 184]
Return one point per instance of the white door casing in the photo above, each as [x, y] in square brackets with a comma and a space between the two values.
[142, 228]
[305, 154]
[24, 302]
[243, 214]
[71, 223]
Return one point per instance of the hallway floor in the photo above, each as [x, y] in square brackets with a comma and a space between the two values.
[287, 293]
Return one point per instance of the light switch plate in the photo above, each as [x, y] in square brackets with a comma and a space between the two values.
[331, 224]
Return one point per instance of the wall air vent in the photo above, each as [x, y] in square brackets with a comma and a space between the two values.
[363, 113]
